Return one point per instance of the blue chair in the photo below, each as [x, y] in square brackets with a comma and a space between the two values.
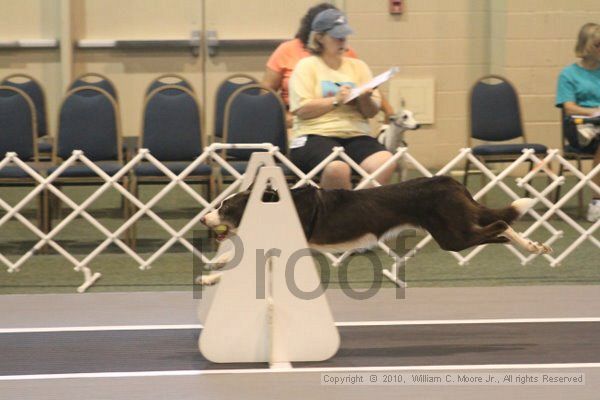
[89, 120]
[171, 130]
[495, 117]
[572, 152]
[224, 91]
[95, 80]
[18, 133]
[253, 114]
[130, 147]
[35, 91]
[168, 79]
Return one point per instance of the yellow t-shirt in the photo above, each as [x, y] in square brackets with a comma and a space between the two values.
[313, 79]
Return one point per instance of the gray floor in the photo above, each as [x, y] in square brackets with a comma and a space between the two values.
[412, 345]
[167, 308]
[365, 346]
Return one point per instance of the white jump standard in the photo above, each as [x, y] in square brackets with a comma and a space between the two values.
[254, 316]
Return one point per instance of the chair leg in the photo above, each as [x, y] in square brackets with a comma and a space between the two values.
[483, 199]
[43, 214]
[39, 214]
[56, 204]
[53, 203]
[132, 231]
[215, 187]
[526, 192]
[561, 170]
[549, 178]
[125, 210]
[123, 202]
[212, 188]
[466, 175]
[580, 193]
[219, 184]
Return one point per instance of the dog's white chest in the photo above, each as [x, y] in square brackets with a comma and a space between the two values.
[394, 232]
[364, 242]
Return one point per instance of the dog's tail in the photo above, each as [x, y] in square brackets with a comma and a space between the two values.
[508, 214]
[522, 205]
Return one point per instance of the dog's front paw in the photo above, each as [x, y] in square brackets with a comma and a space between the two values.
[221, 261]
[538, 248]
[546, 249]
[208, 280]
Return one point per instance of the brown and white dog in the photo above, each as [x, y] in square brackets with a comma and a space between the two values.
[341, 220]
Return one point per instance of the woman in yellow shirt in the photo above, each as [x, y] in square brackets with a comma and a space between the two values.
[322, 120]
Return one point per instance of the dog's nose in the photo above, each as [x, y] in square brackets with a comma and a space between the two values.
[203, 220]
[417, 126]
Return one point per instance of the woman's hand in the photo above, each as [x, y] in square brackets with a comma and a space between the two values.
[366, 95]
[343, 94]
[366, 105]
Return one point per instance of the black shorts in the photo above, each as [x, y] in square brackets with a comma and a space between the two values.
[317, 148]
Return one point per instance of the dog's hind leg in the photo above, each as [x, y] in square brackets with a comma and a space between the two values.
[497, 239]
[529, 245]
[490, 233]
[460, 239]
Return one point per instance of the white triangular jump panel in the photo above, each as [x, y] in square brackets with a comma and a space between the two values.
[257, 160]
[239, 326]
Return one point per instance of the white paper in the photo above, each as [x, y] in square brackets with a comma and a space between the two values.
[372, 84]
[594, 115]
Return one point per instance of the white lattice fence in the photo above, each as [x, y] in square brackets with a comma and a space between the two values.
[211, 154]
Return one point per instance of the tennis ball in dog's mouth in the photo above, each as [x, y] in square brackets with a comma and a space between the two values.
[221, 229]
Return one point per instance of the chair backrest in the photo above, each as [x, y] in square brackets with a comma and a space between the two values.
[168, 79]
[171, 125]
[35, 91]
[89, 121]
[494, 110]
[254, 114]
[17, 123]
[96, 80]
[224, 91]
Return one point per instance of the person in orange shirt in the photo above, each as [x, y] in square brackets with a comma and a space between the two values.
[282, 62]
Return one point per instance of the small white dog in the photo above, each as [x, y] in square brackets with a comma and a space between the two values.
[391, 135]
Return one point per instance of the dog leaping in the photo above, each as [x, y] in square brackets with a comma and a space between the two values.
[341, 220]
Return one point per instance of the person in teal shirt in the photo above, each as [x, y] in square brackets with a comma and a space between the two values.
[578, 93]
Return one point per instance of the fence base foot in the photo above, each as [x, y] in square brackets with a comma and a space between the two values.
[89, 281]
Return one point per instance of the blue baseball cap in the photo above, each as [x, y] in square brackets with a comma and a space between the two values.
[332, 22]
